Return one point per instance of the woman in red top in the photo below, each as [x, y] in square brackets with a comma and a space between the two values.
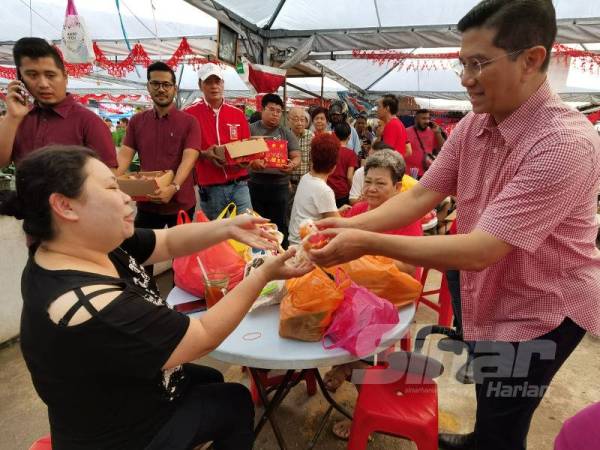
[383, 176]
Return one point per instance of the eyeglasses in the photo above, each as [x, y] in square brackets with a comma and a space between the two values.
[474, 68]
[156, 85]
[274, 110]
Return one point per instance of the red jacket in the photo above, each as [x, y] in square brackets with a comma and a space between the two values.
[231, 125]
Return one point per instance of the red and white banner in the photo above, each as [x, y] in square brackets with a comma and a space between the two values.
[265, 79]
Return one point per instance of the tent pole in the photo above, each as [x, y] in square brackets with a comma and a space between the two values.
[178, 100]
[322, 83]
[285, 120]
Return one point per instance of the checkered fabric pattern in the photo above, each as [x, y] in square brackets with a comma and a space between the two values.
[531, 181]
[304, 166]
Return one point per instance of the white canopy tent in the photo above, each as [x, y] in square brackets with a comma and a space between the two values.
[289, 31]
[158, 25]
[286, 32]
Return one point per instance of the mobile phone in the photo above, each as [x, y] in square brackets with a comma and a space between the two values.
[24, 91]
[191, 307]
[430, 124]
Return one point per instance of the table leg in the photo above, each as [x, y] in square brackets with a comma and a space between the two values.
[270, 406]
[332, 405]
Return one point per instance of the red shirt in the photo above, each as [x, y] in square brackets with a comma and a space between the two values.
[414, 229]
[227, 125]
[67, 123]
[394, 135]
[338, 180]
[160, 142]
[531, 181]
[425, 137]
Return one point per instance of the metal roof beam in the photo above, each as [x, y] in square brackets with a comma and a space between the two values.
[274, 15]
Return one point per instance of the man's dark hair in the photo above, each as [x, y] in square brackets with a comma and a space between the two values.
[271, 98]
[35, 48]
[391, 102]
[342, 131]
[160, 66]
[422, 111]
[124, 120]
[56, 168]
[519, 24]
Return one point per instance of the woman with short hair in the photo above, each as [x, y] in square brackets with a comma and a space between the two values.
[105, 353]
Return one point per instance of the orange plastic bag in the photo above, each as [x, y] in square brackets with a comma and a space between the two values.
[306, 310]
[380, 275]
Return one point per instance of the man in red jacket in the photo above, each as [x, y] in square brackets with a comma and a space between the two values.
[218, 183]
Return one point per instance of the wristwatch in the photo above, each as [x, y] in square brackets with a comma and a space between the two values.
[177, 187]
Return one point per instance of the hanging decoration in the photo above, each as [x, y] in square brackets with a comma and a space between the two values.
[581, 59]
[137, 56]
[75, 70]
[76, 41]
[408, 60]
[265, 79]
[185, 54]
[10, 73]
[85, 98]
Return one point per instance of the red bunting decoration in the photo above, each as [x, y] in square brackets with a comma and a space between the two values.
[75, 70]
[137, 56]
[582, 59]
[85, 98]
[184, 53]
[10, 73]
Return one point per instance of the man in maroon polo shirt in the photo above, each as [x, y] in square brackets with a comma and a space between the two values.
[164, 138]
[219, 184]
[55, 118]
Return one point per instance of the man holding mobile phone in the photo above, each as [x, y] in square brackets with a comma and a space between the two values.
[55, 117]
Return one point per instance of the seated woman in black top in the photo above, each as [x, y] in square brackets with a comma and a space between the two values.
[105, 353]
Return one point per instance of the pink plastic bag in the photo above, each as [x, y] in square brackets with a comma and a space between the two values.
[360, 321]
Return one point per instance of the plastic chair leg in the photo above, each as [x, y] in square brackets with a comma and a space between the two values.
[359, 437]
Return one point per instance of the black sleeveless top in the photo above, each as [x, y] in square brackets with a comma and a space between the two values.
[102, 379]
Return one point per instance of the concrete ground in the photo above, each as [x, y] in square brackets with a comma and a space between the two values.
[23, 416]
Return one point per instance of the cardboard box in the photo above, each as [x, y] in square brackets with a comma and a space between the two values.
[139, 184]
[277, 156]
[245, 151]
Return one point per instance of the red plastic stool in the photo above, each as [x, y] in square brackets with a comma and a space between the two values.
[42, 444]
[444, 304]
[400, 400]
[309, 379]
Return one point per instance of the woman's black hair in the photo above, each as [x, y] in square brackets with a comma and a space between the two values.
[52, 169]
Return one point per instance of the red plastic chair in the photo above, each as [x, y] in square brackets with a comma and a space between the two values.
[42, 444]
[309, 379]
[399, 400]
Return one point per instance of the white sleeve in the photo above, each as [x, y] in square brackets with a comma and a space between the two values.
[325, 200]
[357, 184]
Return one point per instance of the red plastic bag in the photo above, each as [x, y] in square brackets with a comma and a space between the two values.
[218, 258]
[360, 321]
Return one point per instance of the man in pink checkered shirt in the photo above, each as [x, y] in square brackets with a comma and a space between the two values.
[525, 170]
